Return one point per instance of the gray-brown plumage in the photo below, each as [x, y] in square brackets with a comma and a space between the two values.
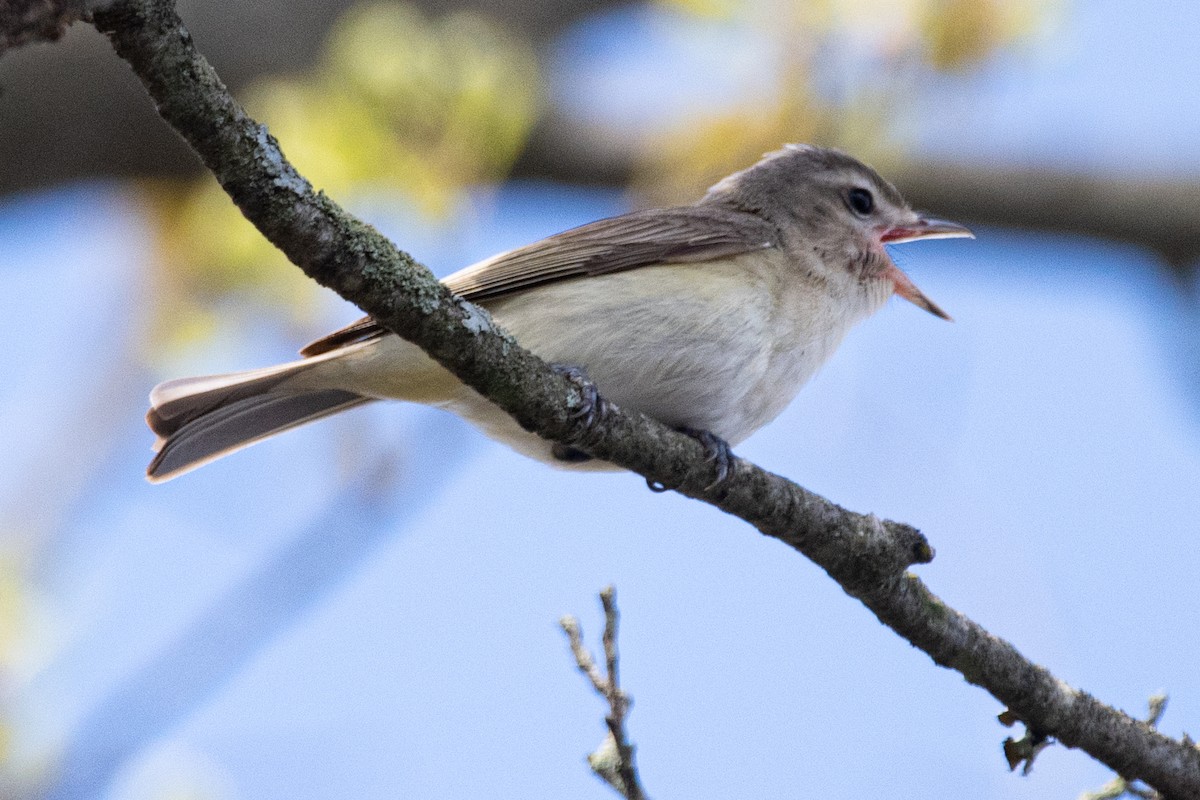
[654, 236]
[709, 316]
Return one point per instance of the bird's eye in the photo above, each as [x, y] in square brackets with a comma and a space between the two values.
[860, 201]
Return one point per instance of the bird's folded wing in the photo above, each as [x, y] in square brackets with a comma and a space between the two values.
[642, 238]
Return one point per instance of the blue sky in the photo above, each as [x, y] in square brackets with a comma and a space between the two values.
[368, 607]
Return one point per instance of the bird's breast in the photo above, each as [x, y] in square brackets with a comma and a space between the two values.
[721, 346]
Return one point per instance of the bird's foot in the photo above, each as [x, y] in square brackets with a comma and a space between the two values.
[716, 451]
[592, 409]
[567, 454]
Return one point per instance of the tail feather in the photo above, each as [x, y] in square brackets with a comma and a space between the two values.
[201, 419]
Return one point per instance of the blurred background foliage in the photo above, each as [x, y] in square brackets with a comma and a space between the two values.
[427, 107]
[28, 638]
[840, 73]
[399, 103]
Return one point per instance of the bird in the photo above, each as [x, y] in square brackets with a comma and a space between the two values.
[708, 317]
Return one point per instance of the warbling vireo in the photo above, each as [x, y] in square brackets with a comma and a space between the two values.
[708, 317]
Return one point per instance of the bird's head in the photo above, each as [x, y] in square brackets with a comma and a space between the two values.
[827, 202]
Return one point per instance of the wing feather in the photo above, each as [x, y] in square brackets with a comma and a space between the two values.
[656, 236]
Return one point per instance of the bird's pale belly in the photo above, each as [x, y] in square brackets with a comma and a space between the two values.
[728, 360]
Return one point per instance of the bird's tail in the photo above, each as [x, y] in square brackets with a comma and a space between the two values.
[201, 419]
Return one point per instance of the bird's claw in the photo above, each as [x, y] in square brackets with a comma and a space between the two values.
[716, 451]
[592, 408]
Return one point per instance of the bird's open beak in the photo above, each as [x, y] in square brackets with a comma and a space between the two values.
[926, 228]
[922, 228]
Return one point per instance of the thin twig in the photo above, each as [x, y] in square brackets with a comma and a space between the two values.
[583, 659]
[609, 601]
[613, 760]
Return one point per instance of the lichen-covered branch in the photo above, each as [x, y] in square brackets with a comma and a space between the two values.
[1121, 786]
[866, 555]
